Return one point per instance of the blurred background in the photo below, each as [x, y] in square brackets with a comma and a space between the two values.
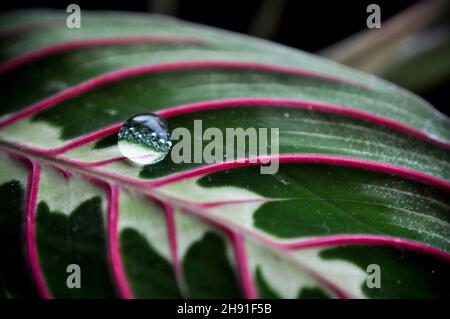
[412, 48]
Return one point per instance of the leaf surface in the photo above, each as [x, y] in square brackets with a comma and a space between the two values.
[363, 175]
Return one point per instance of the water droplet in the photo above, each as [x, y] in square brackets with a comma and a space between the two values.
[145, 139]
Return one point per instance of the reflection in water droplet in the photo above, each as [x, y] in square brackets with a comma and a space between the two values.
[145, 139]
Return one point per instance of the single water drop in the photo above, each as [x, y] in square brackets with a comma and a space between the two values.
[145, 139]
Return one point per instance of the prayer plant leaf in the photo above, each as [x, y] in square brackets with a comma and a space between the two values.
[359, 197]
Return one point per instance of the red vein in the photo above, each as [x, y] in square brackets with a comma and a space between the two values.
[200, 211]
[112, 234]
[245, 276]
[317, 242]
[243, 268]
[305, 158]
[282, 158]
[324, 281]
[113, 244]
[366, 239]
[330, 240]
[282, 102]
[244, 102]
[160, 67]
[86, 139]
[30, 228]
[172, 236]
[93, 42]
[232, 202]
[238, 249]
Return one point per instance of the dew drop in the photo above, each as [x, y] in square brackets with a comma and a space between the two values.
[145, 139]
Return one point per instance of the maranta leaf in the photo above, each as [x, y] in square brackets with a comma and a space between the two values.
[363, 177]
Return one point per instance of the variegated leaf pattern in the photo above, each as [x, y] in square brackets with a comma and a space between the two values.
[364, 174]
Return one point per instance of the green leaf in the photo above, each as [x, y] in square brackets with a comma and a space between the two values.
[363, 173]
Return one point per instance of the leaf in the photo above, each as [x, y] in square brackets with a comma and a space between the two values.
[363, 175]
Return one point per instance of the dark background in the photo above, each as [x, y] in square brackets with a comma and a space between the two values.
[303, 24]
